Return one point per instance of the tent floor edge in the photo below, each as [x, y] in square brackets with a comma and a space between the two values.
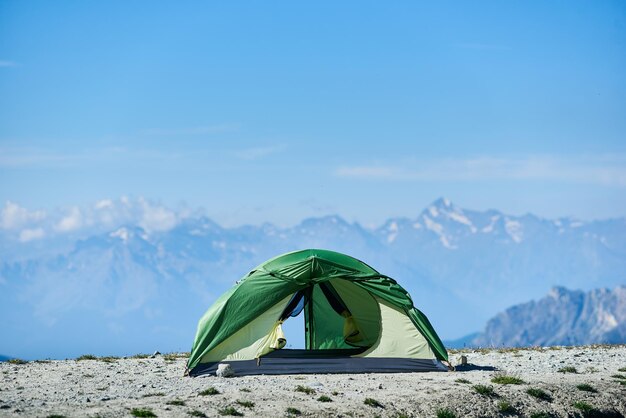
[337, 365]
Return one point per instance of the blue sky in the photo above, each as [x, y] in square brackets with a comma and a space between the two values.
[278, 111]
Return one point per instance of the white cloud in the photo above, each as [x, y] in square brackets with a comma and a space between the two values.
[104, 204]
[70, 222]
[13, 216]
[156, 218]
[31, 234]
[607, 170]
[104, 215]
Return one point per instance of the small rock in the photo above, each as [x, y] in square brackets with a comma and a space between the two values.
[105, 398]
[380, 386]
[224, 370]
[88, 400]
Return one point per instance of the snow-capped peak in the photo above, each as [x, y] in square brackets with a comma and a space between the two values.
[443, 209]
[122, 233]
[514, 229]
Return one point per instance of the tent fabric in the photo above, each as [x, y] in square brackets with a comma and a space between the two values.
[252, 340]
[260, 299]
[399, 338]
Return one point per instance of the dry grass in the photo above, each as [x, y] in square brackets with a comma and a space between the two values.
[539, 394]
[229, 410]
[586, 388]
[293, 411]
[373, 403]
[245, 404]
[305, 389]
[485, 390]
[503, 378]
[86, 357]
[142, 412]
[209, 391]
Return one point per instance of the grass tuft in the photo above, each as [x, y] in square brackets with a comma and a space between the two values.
[324, 398]
[16, 361]
[586, 388]
[506, 408]
[445, 413]
[245, 390]
[229, 410]
[293, 411]
[87, 357]
[618, 376]
[465, 381]
[196, 413]
[373, 403]
[148, 395]
[568, 369]
[55, 416]
[305, 389]
[209, 391]
[622, 369]
[174, 356]
[246, 404]
[140, 356]
[504, 379]
[142, 412]
[540, 394]
[484, 390]
[584, 407]
[176, 402]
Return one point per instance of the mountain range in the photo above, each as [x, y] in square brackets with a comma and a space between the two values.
[129, 287]
[563, 317]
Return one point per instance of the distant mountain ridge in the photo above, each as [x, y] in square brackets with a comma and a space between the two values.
[127, 287]
[563, 317]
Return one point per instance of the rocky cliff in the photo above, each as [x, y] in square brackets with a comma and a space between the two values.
[563, 317]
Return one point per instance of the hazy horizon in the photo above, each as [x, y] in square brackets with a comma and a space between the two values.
[285, 111]
[147, 114]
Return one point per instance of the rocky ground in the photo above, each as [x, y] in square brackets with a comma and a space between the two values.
[552, 383]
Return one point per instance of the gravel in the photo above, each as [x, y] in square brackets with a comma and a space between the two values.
[115, 387]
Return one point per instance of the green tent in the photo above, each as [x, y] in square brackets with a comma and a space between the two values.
[356, 320]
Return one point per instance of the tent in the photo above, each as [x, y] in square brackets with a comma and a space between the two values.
[355, 320]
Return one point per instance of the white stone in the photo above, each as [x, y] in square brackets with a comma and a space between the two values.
[224, 370]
